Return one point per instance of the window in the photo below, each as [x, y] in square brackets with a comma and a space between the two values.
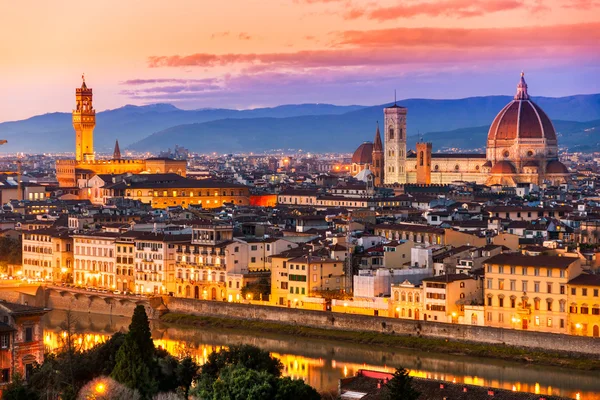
[561, 306]
[536, 271]
[489, 269]
[573, 291]
[500, 302]
[29, 334]
[524, 270]
[5, 375]
[253, 247]
[584, 309]
[562, 289]
[501, 269]
[501, 284]
[253, 259]
[549, 272]
[562, 323]
[489, 301]
[536, 304]
[513, 285]
[489, 316]
[513, 269]
[549, 304]
[524, 286]
[4, 341]
[595, 292]
[513, 303]
[537, 321]
[489, 284]
[584, 292]
[536, 287]
[549, 287]
[549, 324]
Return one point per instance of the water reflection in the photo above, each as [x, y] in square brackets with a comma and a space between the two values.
[322, 363]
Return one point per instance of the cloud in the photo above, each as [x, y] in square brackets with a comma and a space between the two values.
[399, 46]
[455, 8]
[162, 80]
[219, 35]
[581, 4]
[244, 36]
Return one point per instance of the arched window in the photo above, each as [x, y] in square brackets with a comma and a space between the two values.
[396, 296]
[410, 298]
[462, 284]
[473, 319]
[421, 157]
[391, 135]
[139, 193]
[403, 296]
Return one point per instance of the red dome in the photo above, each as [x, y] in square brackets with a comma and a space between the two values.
[521, 119]
[364, 154]
[503, 167]
[556, 167]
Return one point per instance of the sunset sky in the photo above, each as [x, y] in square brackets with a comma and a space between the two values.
[251, 53]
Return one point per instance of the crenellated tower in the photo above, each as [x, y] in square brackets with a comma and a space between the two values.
[84, 122]
[377, 159]
[395, 144]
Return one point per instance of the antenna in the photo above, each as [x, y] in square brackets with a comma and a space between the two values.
[394, 96]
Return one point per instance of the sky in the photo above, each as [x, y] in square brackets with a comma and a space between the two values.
[254, 53]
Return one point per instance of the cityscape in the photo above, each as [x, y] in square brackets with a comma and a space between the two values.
[302, 214]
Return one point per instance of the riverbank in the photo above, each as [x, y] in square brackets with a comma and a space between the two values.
[391, 341]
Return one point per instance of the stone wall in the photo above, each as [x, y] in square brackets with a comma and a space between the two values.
[354, 322]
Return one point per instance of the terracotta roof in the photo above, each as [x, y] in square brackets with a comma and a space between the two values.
[364, 154]
[532, 261]
[556, 167]
[586, 280]
[503, 167]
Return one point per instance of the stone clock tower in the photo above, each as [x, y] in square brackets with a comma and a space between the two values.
[395, 144]
[84, 121]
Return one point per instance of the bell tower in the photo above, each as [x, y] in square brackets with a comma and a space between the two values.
[395, 144]
[377, 159]
[84, 121]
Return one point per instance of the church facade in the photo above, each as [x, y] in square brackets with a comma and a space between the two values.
[71, 172]
[521, 148]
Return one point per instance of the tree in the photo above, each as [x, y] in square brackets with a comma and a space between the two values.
[237, 382]
[186, 371]
[132, 370]
[248, 356]
[139, 329]
[257, 291]
[400, 386]
[288, 388]
[17, 390]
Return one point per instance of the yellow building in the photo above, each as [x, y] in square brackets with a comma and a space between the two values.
[444, 297]
[85, 166]
[169, 190]
[125, 265]
[48, 255]
[406, 301]
[528, 292]
[584, 305]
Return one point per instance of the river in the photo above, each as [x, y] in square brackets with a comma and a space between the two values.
[321, 363]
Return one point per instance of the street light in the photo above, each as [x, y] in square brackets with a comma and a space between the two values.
[100, 388]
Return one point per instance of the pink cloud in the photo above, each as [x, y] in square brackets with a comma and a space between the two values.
[400, 46]
[162, 80]
[244, 36]
[457, 8]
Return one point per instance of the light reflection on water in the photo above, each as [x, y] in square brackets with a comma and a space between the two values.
[321, 364]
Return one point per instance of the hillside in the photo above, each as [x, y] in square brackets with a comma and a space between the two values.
[450, 123]
[315, 127]
[54, 132]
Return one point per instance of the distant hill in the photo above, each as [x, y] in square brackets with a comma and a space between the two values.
[450, 122]
[54, 132]
[576, 136]
[314, 127]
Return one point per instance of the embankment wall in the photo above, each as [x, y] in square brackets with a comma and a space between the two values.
[363, 323]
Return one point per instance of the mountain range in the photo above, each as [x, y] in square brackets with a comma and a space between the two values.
[460, 123]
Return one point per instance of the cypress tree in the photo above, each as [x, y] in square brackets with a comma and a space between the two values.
[139, 330]
[131, 369]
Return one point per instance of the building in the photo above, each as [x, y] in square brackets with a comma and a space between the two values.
[21, 340]
[369, 156]
[406, 301]
[445, 296]
[94, 259]
[75, 172]
[521, 148]
[205, 266]
[48, 255]
[583, 300]
[528, 292]
[171, 190]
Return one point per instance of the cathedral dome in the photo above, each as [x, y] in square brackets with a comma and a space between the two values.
[503, 167]
[521, 119]
[556, 167]
[364, 154]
